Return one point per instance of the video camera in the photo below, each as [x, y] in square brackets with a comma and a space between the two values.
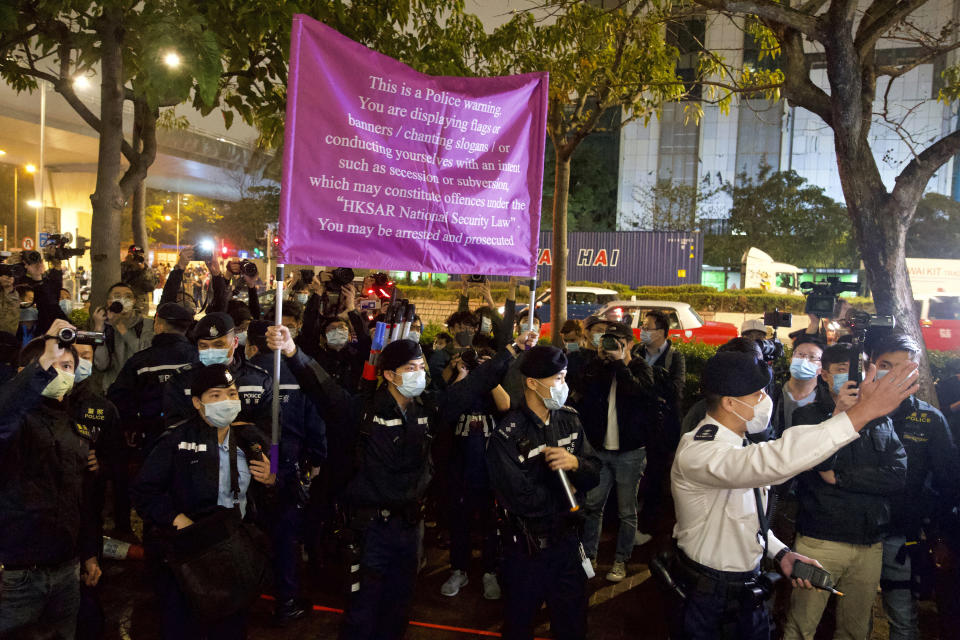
[243, 268]
[137, 253]
[10, 270]
[866, 330]
[69, 335]
[822, 296]
[339, 278]
[57, 249]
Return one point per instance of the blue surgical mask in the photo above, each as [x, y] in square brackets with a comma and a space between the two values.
[882, 373]
[645, 336]
[242, 338]
[839, 379]
[221, 414]
[66, 306]
[215, 356]
[84, 369]
[302, 298]
[595, 338]
[803, 369]
[412, 383]
[558, 396]
[573, 346]
[30, 314]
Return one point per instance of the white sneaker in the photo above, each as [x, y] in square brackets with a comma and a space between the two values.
[456, 581]
[641, 538]
[618, 572]
[491, 588]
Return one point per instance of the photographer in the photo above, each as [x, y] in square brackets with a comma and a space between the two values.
[49, 533]
[392, 428]
[27, 327]
[844, 508]
[187, 478]
[126, 329]
[135, 273]
[618, 410]
[462, 325]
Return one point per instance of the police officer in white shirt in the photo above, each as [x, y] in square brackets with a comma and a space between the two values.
[714, 476]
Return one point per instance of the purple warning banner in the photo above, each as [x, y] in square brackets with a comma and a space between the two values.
[388, 168]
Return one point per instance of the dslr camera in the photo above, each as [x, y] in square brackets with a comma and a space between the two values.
[339, 278]
[11, 270]
[822, 296]
[137, 253]
[243, 268]
[477, 279]
[57, 249]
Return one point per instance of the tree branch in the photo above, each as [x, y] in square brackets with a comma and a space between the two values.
[771, 12]
[914, 178]
[894, 71]
[869, 33]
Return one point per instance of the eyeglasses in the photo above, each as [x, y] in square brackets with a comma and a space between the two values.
[806, 356]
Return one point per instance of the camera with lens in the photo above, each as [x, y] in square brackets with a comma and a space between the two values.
[609, 342]
[57, 249]
[777, 318]
[10, 270]
[470, 358]
[772, 349]
[249, 269]
[115, 307]
[339, 278]
[203, 253]
[137, 253]
[822, 296]
[477, 279]
[69, 335]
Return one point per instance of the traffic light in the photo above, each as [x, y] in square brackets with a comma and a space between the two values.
[224, 251]
[276, 241]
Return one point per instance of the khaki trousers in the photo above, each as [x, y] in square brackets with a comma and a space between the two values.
[856, 573]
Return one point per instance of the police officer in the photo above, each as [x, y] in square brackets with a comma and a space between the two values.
[393, 427]
[932, 490]
[533, 447]
[217, 343]
[718, 484]
[48, 527]
[303, 448]
[186, 476]
[138, 390]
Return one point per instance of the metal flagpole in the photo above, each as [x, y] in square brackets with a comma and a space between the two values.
[275, 407]
[533, 301]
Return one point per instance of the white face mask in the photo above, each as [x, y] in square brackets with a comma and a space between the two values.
[242, 338]
[761, 414]
[66, 306]
[221, 414]
[302, 298]
[84, 369]
[59, 386]
[413, 335]
[412, 383]
[337, 337]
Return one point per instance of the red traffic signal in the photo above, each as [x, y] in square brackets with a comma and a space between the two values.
[224, 251]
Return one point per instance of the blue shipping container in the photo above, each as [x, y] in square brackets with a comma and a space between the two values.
[635, 258]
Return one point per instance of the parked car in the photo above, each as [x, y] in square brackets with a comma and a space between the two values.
[686, 325]
[582, 302]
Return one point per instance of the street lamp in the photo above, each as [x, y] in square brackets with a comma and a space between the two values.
[171, 59]
[80, 83]
[30, 168]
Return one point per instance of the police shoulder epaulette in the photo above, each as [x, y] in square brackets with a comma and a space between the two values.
[569, 410]
[506, 428]
[706, 432]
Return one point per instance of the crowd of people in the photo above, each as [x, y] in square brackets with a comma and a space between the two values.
[167, 413]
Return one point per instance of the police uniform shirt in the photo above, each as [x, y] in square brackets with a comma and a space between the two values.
[713, 478]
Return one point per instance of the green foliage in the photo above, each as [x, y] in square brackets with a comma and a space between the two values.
[430, 332]
[943, 363]
[935, 229]
[594, 167]
[80, 318]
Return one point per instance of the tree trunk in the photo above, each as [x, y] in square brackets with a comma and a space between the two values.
[139, 216]
[558, 270]
[139, 204]
[107, 200]
[880, 224]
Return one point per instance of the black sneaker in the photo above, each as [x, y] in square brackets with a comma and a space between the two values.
[287, 611]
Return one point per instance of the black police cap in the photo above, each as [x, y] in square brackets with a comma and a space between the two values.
[398, 353]
[174, 311]
[543, 362]
[212, 326]
[734, 373]
[214, 376]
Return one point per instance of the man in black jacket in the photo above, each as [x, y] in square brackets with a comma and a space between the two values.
[392, 427]
[615, 410]
[932, 494]
[845, 509]
[48, 529]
